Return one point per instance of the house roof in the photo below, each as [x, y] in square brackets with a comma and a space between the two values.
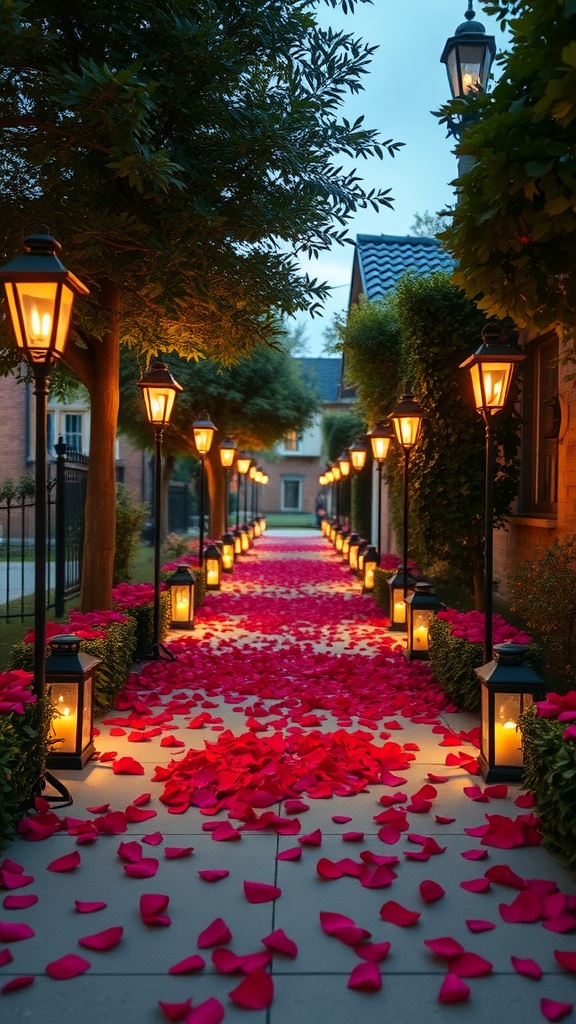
[381, 260]
[324, 376]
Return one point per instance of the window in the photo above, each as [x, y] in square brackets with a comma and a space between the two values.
[73, 431]
[541, 415]
[291, 494]
[292, 441]
[50, 440]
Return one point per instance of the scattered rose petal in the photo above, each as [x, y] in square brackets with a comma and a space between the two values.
[469, 965]
[431, 891]
[15, 983]
[395, 913]
[69, 862]
[101, 941]
[127, 766]
[453, 990]
[446, 946]
[175, 852]
[209, 1012]
[566, 959]
[294, 853]
[478, 925]
[476, 885]
[255, 992]
[214, 874]
[215, 934]
[553, 1010]
[12, 931]
[261, 892]
[189, 965]
[365, 977]
[69, 966]
[175, 1011]
[279, 942]
[89, 907]
[5, 957]
[529, 968]
[19, 902]
[374, 951]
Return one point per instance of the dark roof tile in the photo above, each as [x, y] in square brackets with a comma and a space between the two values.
[324, 376]
[382, 260]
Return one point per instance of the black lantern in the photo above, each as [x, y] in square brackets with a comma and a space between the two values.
[213, 565]
[237, 541]
[227, 452]
[353, 551]
[70, 683]
[422, 604]
[244, 539]
[401, 579]
[358, 453]
[468, 57]
[507, 688]
[369, 565]
[203, 430]
[227, 551]
[181, 586]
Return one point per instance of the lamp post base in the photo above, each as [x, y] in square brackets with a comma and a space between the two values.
[156, 652]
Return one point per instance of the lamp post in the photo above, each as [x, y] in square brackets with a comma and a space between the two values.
[252, 473]
[337, 475]
[380, 437]
[40, 293]
[243, 463]
[227, 452]
[407, 421]
[345, 465]
[468, 56]
[159, 390]
[491, 369]
[204, 431]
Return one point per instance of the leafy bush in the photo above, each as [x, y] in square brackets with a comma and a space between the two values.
[130, 518]
[381, 588]
[175, 545]
[550, 774]
[23, 743]
[543, 592]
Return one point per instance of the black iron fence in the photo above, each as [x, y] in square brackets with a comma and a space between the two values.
[65, 500]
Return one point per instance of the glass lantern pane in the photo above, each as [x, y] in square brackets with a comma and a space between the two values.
[212, 572]
[420, 625]
[485, 718]
[353, 557]
[65, 719]
[87, 713]
[507, 737]
[471, 60]
[369, 569]
[398, 604]
[180, 599]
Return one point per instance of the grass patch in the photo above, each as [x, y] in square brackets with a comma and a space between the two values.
[291, 520]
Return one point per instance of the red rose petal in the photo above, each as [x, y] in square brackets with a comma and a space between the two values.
[453, 990]
[373, 951]
[189, 965]
[15, 983]
[431, 891]
[255, 992]
[215, 934]
[214, 874]
[175, 852]
[566, 959]
[69, 862]
[474, 854]
[279, 942]
[395, 913]
[69, 966]
[19, 902]
[365, 977]
[469, 965]
[445, 946]
[478, 925]
[5, 957]
[209, 1012]
[86, 907]
[101, 941]
[145, 868]
[175, 1011]
[331, 922]
[294, 853]
[476, 885]
[553, 1010]
[152, 907]
[261, 892]
[529, 968]
[127, 766]
[12, 931]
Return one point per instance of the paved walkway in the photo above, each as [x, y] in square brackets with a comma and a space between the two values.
[299, 754]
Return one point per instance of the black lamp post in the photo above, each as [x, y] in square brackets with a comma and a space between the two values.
[468, 56]
[337, 474]
[491, 369]
[380, 437]
[159, 390]
[40, 294]
[227, 451]
[204, 431]
[243, 463]
[407, 421]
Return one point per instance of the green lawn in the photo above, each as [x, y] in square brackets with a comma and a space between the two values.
[290, 520]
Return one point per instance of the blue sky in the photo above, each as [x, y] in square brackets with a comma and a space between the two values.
[405, 83]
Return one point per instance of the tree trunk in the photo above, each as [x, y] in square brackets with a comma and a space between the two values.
[215, 478]
[98, 368]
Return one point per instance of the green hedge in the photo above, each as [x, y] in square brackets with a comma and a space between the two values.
[23, 743]
[453, 660]
[550, 774]
[381, 588]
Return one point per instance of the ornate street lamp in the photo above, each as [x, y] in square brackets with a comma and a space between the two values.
[491, 369]
[181, 588]
[507, 688]
[243, 463]
[159, 390]
[227, 452]
[203, 430]
[380, 437]
[40, 293]
[468, 57]
[358, 453]
[407, 421]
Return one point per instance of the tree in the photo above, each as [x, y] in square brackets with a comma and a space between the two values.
[256, 400]
[514, 227]
[427, 224]
[185, 153]
[427, 327]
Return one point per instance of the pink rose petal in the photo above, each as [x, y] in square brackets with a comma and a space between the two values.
[365, 977]
[313, 839]
[566, 959]
[101, 941]
[279, 942]
[453, 990]
[154, 839]
[445, 946]
[12, 931]
[152, 907]
[478, 925]
[474, 854]
[469, 965]
[395, 913]
[175, 1011]
[209, 1012]
[145, 868]
[215, 934]
[373, 951]
[225, 833]
[431, 891]
[189, 965]
[255, 992]
[69, 966]
[294, 853]
[15, 983]
[69, 862]
[261, 892]
[175, 852]
[214, 874]
[19, 902]
[529, 968]
[86, 907]
[5, 957]
[226, 961]
[340, 819]
[331, 922]
[476, 885]
[553, 1010]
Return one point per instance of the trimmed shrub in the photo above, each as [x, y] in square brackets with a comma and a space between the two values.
[130, 518]
[550, 774]
[23, 744]
[381, 589]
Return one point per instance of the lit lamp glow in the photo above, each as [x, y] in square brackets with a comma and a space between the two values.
[422, 604]
[203, 430]
[237, 541]
[70, 684]
[358, 453]
[407, 421]
[468, 56]
[353, 552]
[227, 552]
[181, 586]
[213, 565]
[396, 583]
[507, 688]
[227, 452]
[369, 566]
